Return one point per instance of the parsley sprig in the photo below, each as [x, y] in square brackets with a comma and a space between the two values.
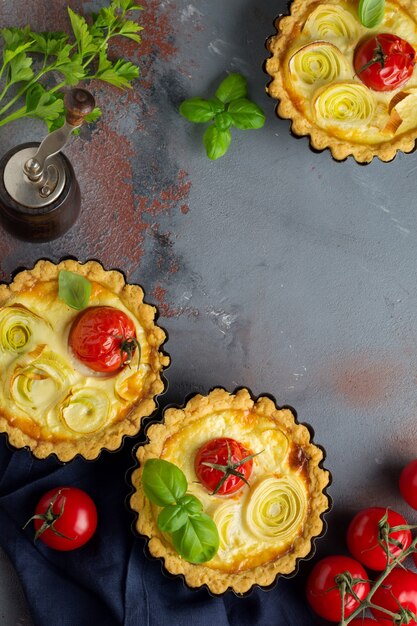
[31, 61]
[230, 107]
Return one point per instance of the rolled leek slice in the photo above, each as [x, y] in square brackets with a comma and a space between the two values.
[344, 104]
[16, 328]
[331, 21]
[37, 379]
[318, 62]
[276, 509]
[85, 410]
[227, 519]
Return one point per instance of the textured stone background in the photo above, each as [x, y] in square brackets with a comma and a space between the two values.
[274, 267]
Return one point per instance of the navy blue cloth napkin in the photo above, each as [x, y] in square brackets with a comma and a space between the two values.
[110, 580]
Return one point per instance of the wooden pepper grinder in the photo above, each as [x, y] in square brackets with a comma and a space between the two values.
[39, 195]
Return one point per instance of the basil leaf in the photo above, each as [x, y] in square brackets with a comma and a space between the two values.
[216, 142]
[171, 518]
[371, 12]
[191, 504]
[246, 114]
[232, 88]
[74, 289]
[216, 104]
[197, 110]
[163, 482]
[197, 541]
[223, 120]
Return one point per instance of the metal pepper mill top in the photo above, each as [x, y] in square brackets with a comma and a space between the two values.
[39, 195]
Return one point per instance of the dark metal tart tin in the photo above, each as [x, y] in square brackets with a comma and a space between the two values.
[145, 539]
[164, 380]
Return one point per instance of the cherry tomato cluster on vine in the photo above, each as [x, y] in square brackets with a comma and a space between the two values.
[366, 531]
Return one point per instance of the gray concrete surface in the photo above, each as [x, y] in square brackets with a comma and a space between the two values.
[274, 267]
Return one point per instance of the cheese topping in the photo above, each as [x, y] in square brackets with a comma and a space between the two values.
[321, 80]
[44, 390]
[260, 521]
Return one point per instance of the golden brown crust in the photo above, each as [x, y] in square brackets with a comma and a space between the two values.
[265, 573]
[110, 437]
[288, 29]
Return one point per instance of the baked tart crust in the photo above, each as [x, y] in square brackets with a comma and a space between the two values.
[387, 122]
[54, 425]
[288, 458]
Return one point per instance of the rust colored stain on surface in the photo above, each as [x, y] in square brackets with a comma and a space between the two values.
[167, 198]
[158, 36]
[363, 381]
[166, 310]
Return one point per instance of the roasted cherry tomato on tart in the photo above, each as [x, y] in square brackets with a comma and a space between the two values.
[368, 536]
[223, 465]
[384, 62]
[65, 518]
[103, 338]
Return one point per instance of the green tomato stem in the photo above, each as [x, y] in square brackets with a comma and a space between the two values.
[367, 601]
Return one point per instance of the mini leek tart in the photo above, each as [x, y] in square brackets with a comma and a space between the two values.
[325, 91]
[265, 523]
[49, 401]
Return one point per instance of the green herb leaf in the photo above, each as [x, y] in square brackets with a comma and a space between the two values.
[172, 518]
[73, 71]
[223, 120]
[246, 114]
[14, 37]
[81, 33]
[126, 5]
[163, 482]
[49, 44]
[232, 88]
[74, 289]
[217, 105]
[118, 74]
[95, 115]
[197, 110]
[191, 504]
[20, 68]
[43, 104]
[198, 540]
[10, 53]
[371, 12]
[216, 142]
[130, 30]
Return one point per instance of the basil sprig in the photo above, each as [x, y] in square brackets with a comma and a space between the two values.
[194, 533]
[74, 289]
[371, 12]
[230, 107]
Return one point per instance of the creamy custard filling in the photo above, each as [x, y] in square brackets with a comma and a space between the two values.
[321, 80]
[44, 390]
[260, 521]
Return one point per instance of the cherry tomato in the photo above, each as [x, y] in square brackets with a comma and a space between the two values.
[400, 586]
[103, 338]
[363, 534]
[408, 484]
[364, 621]
[384, 62]
[229, 454]
[323, 594]
[68, 511]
